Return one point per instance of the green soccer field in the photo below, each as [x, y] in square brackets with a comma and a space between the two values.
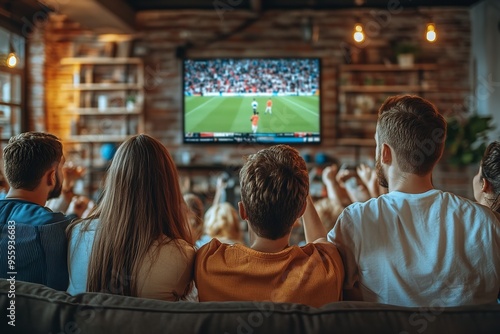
[232, 114]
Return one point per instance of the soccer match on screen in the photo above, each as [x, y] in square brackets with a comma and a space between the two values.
[263, 100]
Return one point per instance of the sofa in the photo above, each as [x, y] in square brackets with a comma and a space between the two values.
[36, 309]
[40, 250]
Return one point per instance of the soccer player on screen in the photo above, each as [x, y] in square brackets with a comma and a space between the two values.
[254, 106]
[269, 106]
[255, 121]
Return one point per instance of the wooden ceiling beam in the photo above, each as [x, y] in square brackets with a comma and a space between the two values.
[101, 16]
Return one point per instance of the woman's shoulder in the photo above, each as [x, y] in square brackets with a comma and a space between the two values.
[84, 227]
[175, 246]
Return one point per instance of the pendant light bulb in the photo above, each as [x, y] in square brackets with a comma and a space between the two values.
[431, 32]
[11, 60]
[358, 35]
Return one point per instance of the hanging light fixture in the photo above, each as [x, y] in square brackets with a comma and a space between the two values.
[431, 32]
[11, 60]
[359, 35]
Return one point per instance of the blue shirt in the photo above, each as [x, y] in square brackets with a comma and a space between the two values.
[38, 246]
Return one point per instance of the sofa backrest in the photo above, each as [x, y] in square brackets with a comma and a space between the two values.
[40, 253]
[39, 309]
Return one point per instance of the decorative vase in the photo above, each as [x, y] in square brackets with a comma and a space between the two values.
[130, 105]
[406, 59]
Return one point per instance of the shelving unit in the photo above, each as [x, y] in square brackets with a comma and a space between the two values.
[107, 97]
[364, 87]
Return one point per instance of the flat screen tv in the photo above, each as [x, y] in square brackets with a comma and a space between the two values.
[259, 100]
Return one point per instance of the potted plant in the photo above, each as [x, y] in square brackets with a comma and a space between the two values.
[405, 52]
[130, 103]
[466, 139]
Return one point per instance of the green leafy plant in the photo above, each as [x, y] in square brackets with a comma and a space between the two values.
[466, 140]
[405, 48]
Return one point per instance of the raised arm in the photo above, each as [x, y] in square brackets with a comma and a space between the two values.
[313, 228]
[334, 191]
[369, 178]
[219, 190]
[71, 173]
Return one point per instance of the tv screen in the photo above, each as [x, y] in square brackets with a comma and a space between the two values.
[252, 100]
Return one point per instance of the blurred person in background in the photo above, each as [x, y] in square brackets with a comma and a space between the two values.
[486, 183]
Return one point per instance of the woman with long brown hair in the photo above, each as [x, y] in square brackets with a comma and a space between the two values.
[136, 242]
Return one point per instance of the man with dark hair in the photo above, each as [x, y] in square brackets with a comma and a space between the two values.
[274, 195]
[32, 233]
[416, 245]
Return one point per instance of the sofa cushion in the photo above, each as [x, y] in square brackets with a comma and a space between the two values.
[39, 309]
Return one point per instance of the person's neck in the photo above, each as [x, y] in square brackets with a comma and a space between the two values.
[409, 183]
[487, 199]
[270, 246]
[27, 195]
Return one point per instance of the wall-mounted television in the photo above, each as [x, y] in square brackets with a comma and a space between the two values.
[259, 100]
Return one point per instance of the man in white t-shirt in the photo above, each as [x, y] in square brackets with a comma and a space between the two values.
[416, 245]
[254, 106]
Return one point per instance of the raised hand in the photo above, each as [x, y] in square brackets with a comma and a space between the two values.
[369, 178]
[343, 175]
[329, 174]
[78, 205]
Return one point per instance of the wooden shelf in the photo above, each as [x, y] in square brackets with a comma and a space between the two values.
[384, 88]
[370, 82]
[199, 166]
[96, 138]
[356, 142]
[100, 61]
[103, 86]
[117, 111]
[390, 67]
[117, 79]
[359, 118]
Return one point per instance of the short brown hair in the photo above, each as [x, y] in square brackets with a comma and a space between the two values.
[28, 156]
[274, 187]
[415, 130]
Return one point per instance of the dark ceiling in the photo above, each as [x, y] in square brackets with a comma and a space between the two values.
[15, 13]
[289, 4]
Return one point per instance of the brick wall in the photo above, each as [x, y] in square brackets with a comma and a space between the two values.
[272, 34]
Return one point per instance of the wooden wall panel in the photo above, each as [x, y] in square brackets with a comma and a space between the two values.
[273, 34]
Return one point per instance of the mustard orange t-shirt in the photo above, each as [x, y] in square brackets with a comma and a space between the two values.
[255, 119]
[311, 275]
[269, 103]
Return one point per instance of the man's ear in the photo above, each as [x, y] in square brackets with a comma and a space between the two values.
[241, 209]
[386, 154]
[50, 176]
[486, 187]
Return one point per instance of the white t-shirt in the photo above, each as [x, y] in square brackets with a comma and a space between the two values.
[430, 249]
[254, 104]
